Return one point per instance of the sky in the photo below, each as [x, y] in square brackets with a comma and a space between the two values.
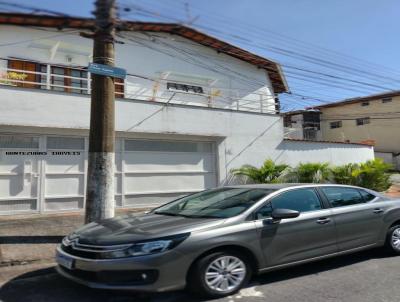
[330, 50]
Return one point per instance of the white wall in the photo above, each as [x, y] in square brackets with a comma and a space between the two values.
[152, 55]
[241, 137]
[293, 152]
[390, 158]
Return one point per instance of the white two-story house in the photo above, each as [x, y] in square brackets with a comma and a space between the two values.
[191, 108]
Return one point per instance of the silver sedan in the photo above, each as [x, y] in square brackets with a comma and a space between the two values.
[212, 242]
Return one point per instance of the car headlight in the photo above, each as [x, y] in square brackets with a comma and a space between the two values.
[149, 247]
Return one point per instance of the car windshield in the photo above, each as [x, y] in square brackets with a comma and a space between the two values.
[217, 203]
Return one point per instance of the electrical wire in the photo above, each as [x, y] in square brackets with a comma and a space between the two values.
[300, 75]
[355, 81]
[251, 31]
[246, 40]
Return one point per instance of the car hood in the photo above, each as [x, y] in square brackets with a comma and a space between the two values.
[129, 228]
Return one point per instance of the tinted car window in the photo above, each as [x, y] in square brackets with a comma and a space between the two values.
[216, 203]
[302, 200]
[367, 196]
[264, 212]
[339, 197]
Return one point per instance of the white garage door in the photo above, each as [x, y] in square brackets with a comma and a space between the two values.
[19, 174]
[46, 173]
[63, 174]
[155, 171]
[39, 173]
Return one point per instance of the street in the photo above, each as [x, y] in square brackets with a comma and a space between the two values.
[370, 276]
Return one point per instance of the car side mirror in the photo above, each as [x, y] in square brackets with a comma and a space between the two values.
[279, 214]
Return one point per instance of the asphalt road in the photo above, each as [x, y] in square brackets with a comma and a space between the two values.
[370, 276]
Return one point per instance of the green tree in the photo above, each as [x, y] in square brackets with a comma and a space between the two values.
[269, 172]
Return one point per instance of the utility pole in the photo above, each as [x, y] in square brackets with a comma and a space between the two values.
[100, 181]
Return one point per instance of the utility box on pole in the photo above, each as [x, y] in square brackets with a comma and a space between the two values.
[100, 182]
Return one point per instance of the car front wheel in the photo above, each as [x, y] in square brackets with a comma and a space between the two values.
[219, 274]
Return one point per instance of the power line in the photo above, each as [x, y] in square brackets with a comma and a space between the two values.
[342, 68]
[38, 39]
[320, 80]
[33, 9]
[197, 54]
[194, 61]
[276, 49]
[252, 30]
[330, 76]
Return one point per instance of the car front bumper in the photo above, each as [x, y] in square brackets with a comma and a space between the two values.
[152, 273]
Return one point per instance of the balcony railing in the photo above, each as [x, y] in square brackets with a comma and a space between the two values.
[140, 88]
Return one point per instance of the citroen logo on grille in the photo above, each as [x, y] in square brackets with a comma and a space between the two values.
[71, 242]
[74, 242]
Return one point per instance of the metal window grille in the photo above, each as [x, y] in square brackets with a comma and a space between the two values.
[167, 146]
[62, 143]
[362, 121]
[17, 141]
[183, 87]
[337, 124]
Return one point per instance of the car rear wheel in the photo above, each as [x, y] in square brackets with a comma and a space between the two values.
[219, 274]
[393, 239]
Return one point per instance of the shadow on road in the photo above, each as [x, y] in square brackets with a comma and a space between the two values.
[320, 266]
[45, 285]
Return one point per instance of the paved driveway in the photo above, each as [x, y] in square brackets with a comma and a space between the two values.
[369, 276]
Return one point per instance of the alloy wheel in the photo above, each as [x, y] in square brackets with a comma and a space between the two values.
[225, 274]
[396, 239]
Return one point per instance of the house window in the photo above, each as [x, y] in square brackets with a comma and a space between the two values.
[183, 87]
[386, 100]
[365, 104]
[57, 78]
[119, 87]
[25, 79]
[78, 81]
[61, 78]
[62, 143]
[310, 134]
[19, 141]
[42, 76]
[362, 121]
[287, 121]
[337, 124]
[67, 79]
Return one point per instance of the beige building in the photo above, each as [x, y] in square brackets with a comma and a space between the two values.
[372, 119]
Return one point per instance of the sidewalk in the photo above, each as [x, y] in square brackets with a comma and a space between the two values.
[28, 242]
[30, 239]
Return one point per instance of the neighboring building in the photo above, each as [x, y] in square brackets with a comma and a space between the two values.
[302, 124]
[372, 119]
[192, 108]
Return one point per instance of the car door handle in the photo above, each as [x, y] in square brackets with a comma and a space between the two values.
[378, 211]
[323, 220]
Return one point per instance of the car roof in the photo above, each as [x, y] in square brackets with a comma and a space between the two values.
[280, 186]
[267, 186]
